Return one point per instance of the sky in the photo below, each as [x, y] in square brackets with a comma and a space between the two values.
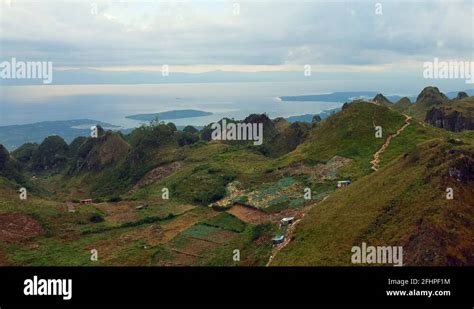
[247, 36]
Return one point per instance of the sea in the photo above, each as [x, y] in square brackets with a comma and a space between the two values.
[112, 103]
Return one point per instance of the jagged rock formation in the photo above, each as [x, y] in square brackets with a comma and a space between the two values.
[381, 99]
[435, 108]
[269, 129]
[206, 132]
[316, 118]
[461, 95]
[431, 96]
[52, 153]
[403, 105]
[281, 123]
[451, 120]
[98, 153]
[287, 140]
[463, 167]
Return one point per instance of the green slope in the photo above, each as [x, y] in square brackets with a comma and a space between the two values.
[403, 204]
[349, 133]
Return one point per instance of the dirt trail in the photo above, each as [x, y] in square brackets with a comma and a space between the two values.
[376, 161]
[290, 231]
[375, 166]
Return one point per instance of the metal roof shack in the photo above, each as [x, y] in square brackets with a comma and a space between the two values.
[343, 183]
[287, 220]
[278, 239]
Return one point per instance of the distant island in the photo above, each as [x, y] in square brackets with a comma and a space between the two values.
[13, 136]
[340, 96]
[174, 114]
[345, 96]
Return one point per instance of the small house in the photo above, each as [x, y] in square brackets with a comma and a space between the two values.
[278, 239]
[86, 201]
[343, 183]
[287, 220]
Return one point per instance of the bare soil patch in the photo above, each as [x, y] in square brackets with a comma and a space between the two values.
[157, 174]
[18, 227]
[319, 172]
[119, 212]
[247, 214]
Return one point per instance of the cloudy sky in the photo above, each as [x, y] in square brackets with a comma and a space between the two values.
[196, 36]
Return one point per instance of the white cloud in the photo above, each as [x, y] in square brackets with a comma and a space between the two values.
[285, 32]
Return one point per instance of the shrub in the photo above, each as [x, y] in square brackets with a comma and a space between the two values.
[96, 218]
[114, 199]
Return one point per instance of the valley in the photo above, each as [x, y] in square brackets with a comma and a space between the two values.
[167, 197]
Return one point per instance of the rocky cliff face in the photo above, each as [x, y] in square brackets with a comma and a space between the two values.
[462, 168]
[449, 120]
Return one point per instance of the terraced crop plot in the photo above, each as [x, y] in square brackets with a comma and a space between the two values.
[194, 245]
[285, 193]
[226, 221]
[117, 244]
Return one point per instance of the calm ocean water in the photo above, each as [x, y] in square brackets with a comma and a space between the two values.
[111, 103]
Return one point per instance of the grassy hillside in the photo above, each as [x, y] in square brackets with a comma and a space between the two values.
[349, 133]
[403, 204]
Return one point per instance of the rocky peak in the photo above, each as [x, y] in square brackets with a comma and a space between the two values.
[381, 99]
[404, 101]
[102, 152]
[316, 118]
[431, 96]
[269, 129]
[461, 95]
[52, 153]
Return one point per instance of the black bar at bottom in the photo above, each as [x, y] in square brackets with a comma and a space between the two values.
[288, 285]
